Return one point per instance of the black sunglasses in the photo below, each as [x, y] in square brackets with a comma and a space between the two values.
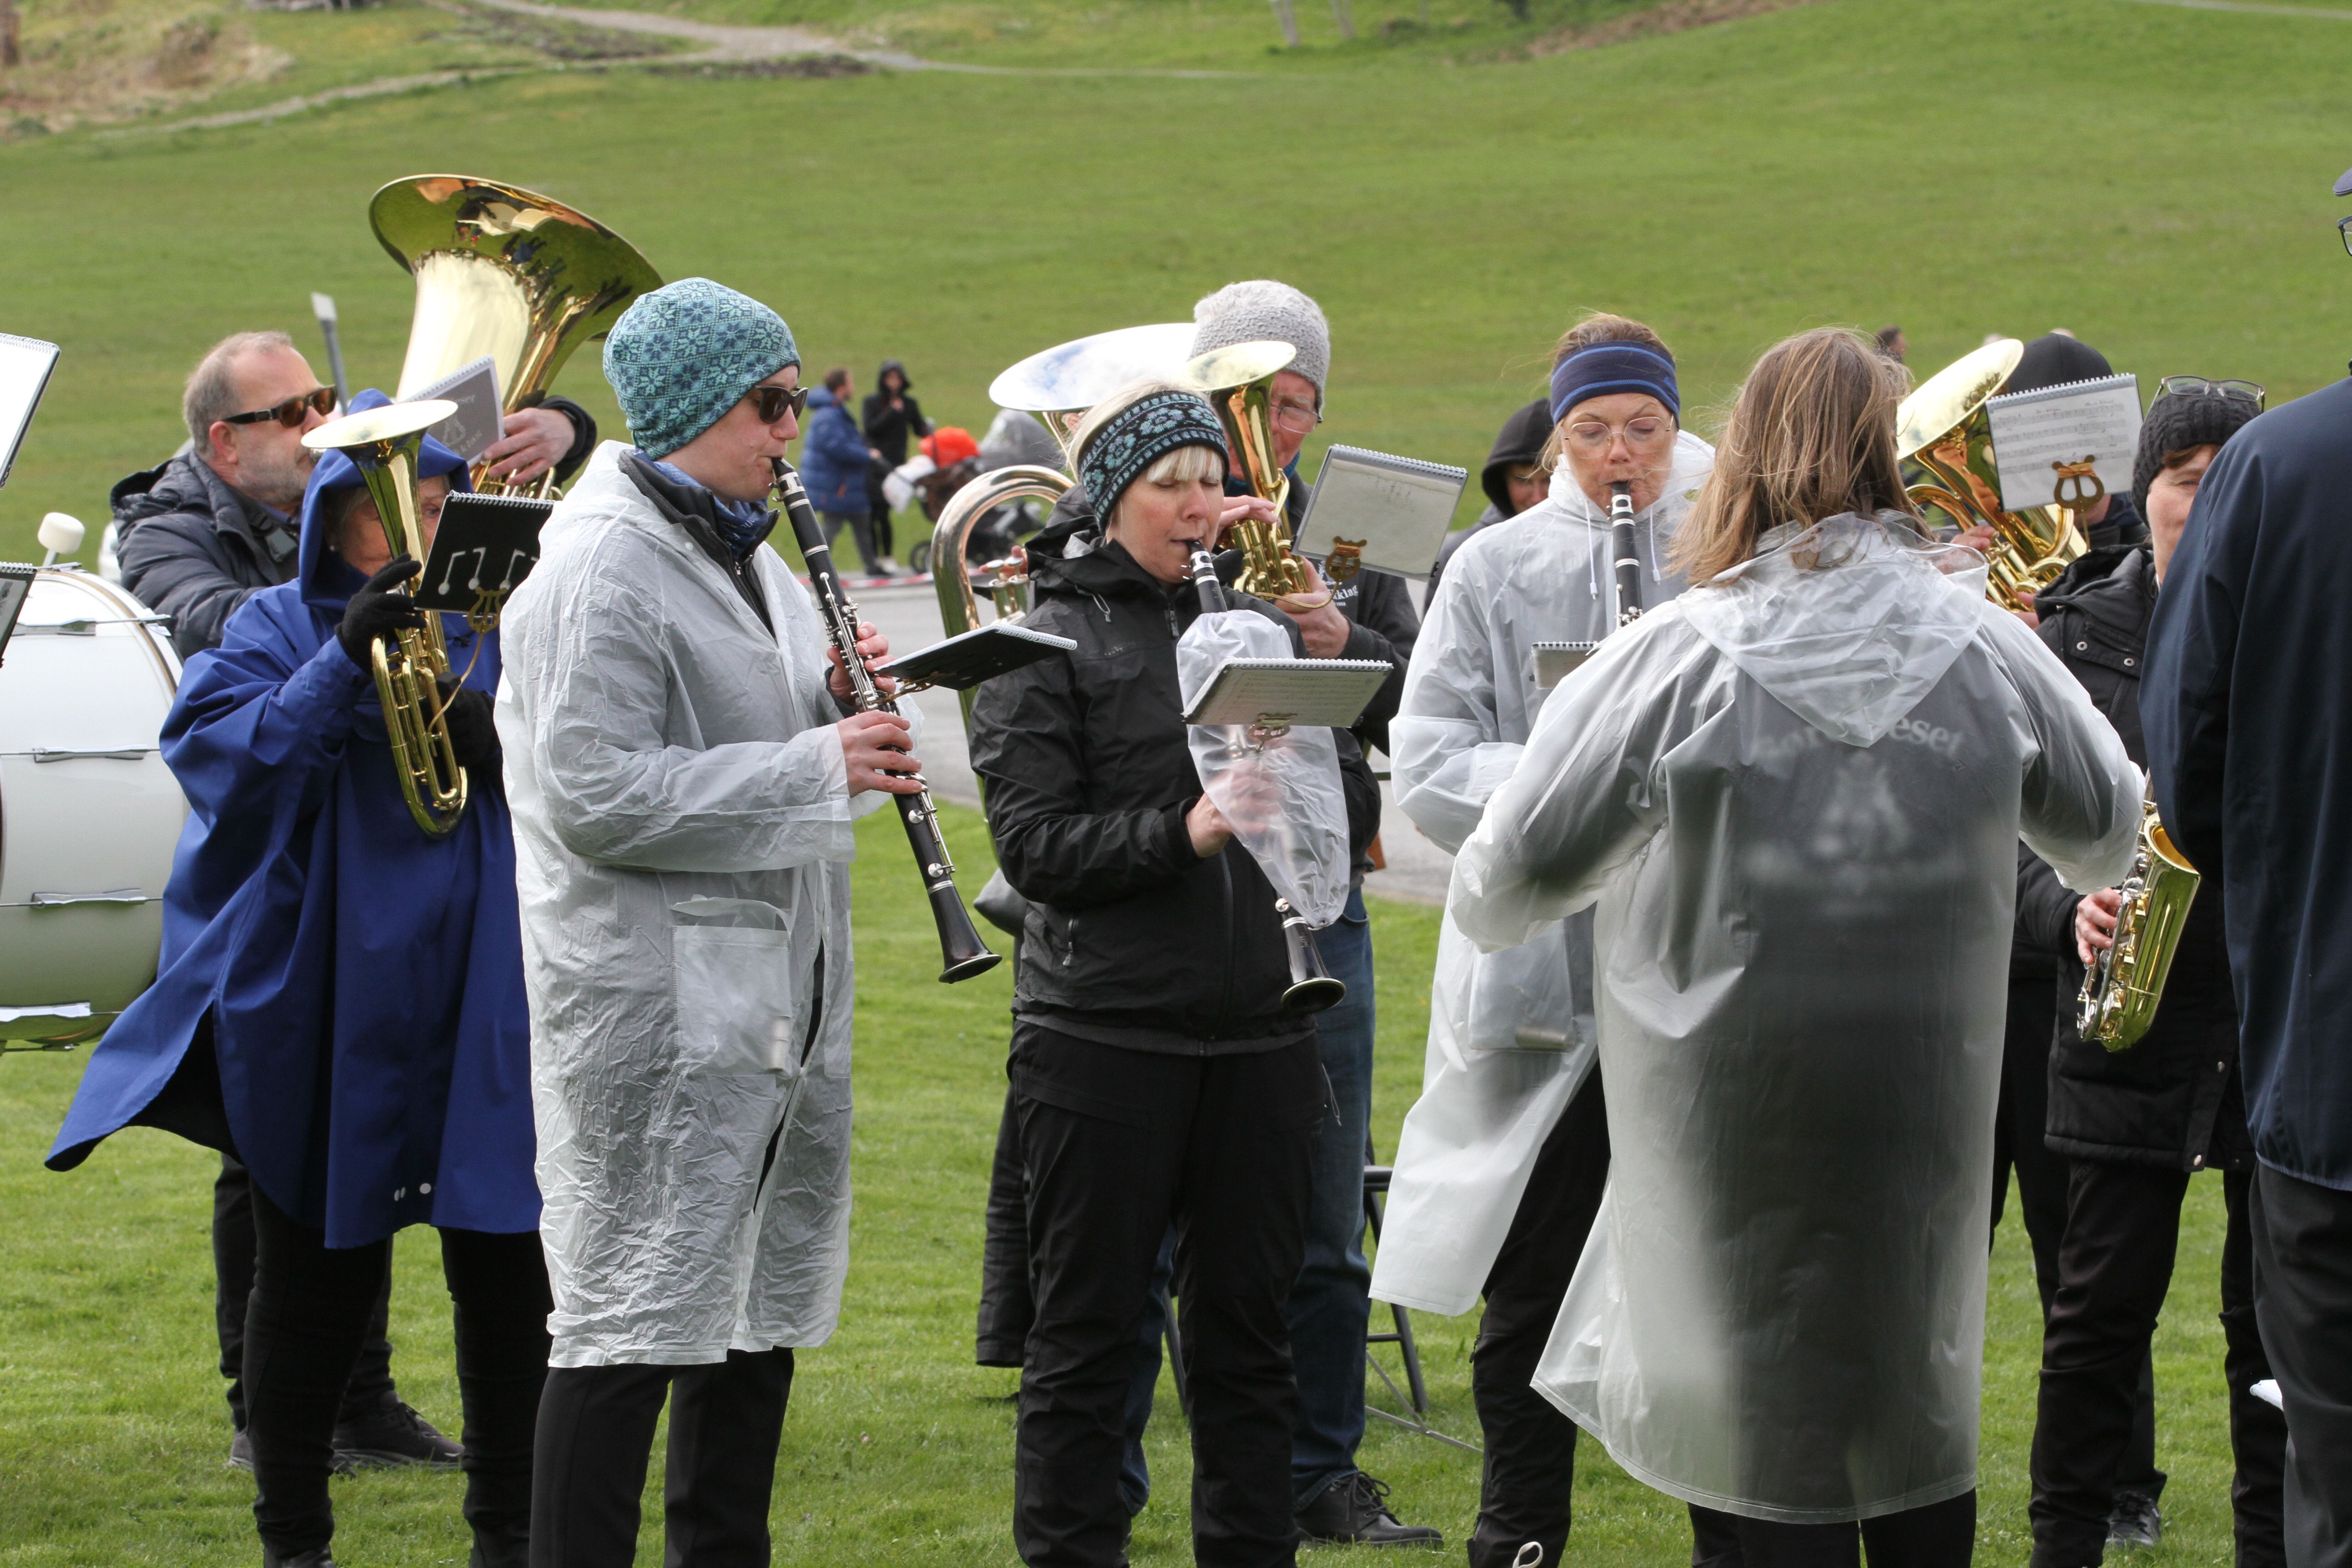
[2198, 387]
[291, 412]
[773, 402]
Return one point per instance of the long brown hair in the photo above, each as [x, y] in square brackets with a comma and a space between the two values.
[1811, 436]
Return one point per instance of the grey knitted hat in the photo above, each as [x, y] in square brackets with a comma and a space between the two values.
[1260, 310]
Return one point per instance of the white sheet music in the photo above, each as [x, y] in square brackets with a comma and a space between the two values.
[24, 367]
[478, 421]
[1324, 691]
[2035, 434]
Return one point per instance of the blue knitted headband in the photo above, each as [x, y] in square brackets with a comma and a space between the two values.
[1605, 368]
[1139, 435]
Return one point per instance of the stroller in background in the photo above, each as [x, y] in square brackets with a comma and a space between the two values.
[950, 460]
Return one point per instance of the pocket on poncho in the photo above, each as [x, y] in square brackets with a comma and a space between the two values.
[739, 1010]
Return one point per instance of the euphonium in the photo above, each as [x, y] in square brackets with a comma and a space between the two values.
[1008, 578]
[504, 272]
[1239, 383]
[2123, 986]
[383, 442]
[1944, 437]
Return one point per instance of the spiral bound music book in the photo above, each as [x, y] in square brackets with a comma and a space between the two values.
[485, 547]
[1278, 691]
[15, 585]
[1381, 511]
[2050, 442]
[963, 661]
[24, 367]
[1555, 660]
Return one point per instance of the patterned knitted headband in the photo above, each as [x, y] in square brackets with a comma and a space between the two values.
[1139, 435]
[1605, 368]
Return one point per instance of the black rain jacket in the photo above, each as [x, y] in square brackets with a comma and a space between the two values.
[1130, 939]
[194, 550]
[2174, 1099]
[887, 429]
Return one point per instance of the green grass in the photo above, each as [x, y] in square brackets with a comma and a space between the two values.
[2151, 177]
[113, 1436]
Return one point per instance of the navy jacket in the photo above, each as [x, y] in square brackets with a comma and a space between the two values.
[371, 1046]
[2248, 710]
[833, 457]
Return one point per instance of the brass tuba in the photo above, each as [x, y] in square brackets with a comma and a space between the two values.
[2122, 988]
[1239, 383]
[1944, 437]
[383, 443]
[504, 272]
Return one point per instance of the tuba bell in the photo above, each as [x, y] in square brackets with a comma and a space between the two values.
[1944, 437]
[383, 442]
[1008, 587]
[2123, 986]
[503, 272]
[1239, 383]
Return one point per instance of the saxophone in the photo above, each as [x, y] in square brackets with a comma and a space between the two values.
[2124, 984]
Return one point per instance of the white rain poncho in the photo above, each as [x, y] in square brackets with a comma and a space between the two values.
[682, 834]
[1510, 1034]
[1280, 794]
[1796, 795]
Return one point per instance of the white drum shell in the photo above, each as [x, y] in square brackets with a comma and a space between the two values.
[89, 812]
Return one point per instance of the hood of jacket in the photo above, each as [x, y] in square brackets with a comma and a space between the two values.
[328, 581]
[905, 386]
[186, 486]
[1520, 443]
[1849, 622]
[821, 397]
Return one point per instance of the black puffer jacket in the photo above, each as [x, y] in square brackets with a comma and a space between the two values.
[2174, 1099]
[195, 550]
[1130, 938]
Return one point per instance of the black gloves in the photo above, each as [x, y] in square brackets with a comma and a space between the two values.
[473, 735]
[376, 612]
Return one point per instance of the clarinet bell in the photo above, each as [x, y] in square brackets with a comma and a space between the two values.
[1313, 988]
[962, 953]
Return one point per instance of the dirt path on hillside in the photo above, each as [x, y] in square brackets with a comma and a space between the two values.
[723, 45]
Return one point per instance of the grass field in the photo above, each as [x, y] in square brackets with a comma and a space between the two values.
[2149, 175]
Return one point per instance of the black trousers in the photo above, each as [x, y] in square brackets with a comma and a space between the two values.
[371, 1384]
[1940, 1535]
[1530, 1470]
[1005, 1307]
[2302, 1235]
[2123, 1234]
[2019, 1123]
[596, 1433]
[310, 1307]
[1118, 1144]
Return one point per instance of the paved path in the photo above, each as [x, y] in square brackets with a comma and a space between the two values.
[910, 616]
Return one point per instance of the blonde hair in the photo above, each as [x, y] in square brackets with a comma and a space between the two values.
[1811, 436]
[1597, 327]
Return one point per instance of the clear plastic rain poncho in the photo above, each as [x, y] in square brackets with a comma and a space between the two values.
[1280, 793]
[1795, 795]
[1510, 1034]
[682, 834]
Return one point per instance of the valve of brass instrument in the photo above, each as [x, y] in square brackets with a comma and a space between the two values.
[1238, 382]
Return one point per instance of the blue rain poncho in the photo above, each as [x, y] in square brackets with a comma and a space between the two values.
[364, 981]
[1793, 796]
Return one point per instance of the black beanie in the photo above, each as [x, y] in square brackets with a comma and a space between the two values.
[2054, 359]
[1520, 444]
[2176, 421]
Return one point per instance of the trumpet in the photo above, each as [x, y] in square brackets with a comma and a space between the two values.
[1312, 987]
[383, 442]
[1239, 383]
[961, 952]
[2124, 984]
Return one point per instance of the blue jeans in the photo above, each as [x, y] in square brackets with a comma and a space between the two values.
[1331, 1305]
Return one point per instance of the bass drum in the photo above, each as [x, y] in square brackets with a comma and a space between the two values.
[89, 812]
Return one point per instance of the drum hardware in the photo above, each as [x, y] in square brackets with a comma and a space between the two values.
[60, 533]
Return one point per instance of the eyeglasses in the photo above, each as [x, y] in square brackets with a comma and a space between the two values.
[1297, 418]
[2344, 228]
[1592, 437]
[773, 402]
[289, 413]
[2198, 387]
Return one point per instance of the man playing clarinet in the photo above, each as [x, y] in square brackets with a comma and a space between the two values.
[685, 785]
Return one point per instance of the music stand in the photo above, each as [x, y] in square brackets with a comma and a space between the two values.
[24, 367]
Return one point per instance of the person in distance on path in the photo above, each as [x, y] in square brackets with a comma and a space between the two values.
[2247, 751]
[687, 770]
[1502, 1159]
[1791, 797]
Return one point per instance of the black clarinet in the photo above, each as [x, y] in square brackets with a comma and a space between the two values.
[1621, 544]
[1313, 988]
[961, 952]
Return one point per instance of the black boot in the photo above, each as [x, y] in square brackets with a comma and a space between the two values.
[393, 1434]
[1355, 1508]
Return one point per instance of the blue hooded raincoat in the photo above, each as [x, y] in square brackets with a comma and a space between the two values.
[364, 981]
